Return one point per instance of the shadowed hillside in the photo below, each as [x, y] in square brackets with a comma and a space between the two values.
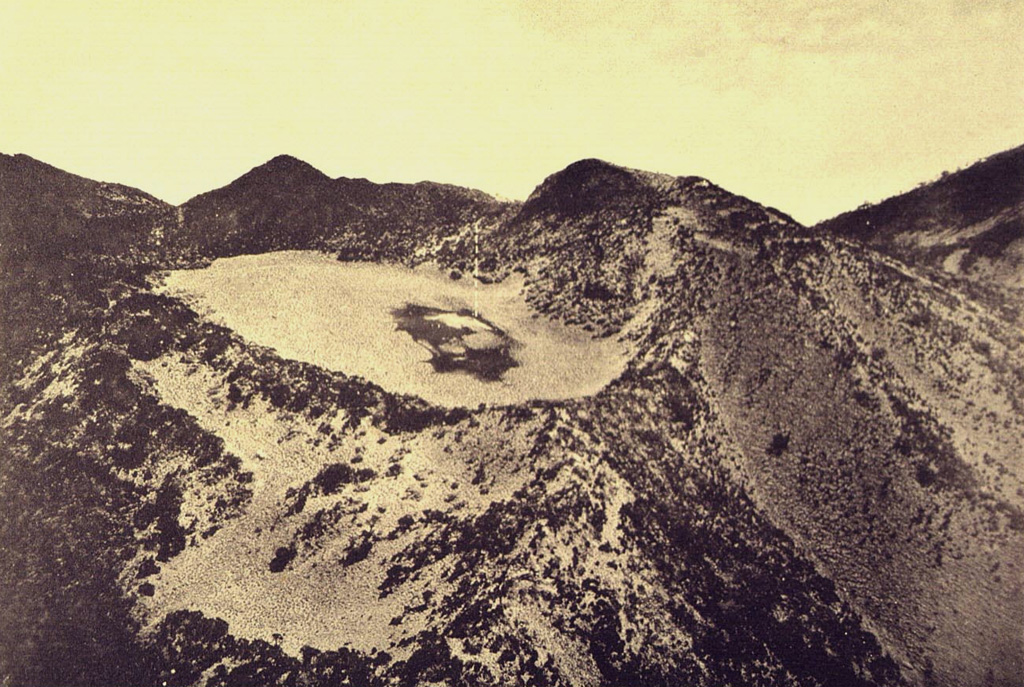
[807, 473]
[286, 203]
[47, 213]
[969, 223]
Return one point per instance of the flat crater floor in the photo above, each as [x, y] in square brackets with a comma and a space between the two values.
[410, 330]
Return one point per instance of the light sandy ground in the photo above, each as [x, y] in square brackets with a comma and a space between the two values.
[456, 320]
[312, 308]
[317, 601]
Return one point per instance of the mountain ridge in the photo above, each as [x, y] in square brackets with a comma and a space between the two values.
[968, 223]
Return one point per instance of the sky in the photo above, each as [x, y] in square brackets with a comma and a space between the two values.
[813, 107]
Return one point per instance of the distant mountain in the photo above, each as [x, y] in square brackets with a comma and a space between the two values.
[969, 223]
[287, 203]
[808, 472]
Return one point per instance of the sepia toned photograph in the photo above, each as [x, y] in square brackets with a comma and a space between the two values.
[504, 344]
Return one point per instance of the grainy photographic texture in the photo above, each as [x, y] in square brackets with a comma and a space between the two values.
[636, 429]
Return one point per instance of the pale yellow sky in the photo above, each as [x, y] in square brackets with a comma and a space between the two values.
[810, 106]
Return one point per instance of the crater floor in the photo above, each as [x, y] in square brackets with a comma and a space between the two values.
[354, 318]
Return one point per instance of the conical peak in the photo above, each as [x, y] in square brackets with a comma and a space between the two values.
[583, 187]
[290, 164]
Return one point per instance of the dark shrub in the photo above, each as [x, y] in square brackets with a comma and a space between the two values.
[282, 557]
[358, 552]
[598, 292]
[780, 442]
[331, 477]
[925, 475]
[147, 568]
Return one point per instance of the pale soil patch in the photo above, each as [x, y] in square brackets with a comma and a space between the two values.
[312, 308]
[940, 234]
[317, 601]
[722, 244]
[952, 261]
[456, 320]
[660, 258]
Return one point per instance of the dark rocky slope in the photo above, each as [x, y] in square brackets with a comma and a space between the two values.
[48, 214]
[808, 474]
[969, 223]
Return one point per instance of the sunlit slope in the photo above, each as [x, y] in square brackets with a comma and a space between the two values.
[880, 423]
[579, 542]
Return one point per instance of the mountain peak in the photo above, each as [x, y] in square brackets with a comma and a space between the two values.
[590, 165]
[289, 164]
[584, 187]
[284, 171]
[592, 171]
